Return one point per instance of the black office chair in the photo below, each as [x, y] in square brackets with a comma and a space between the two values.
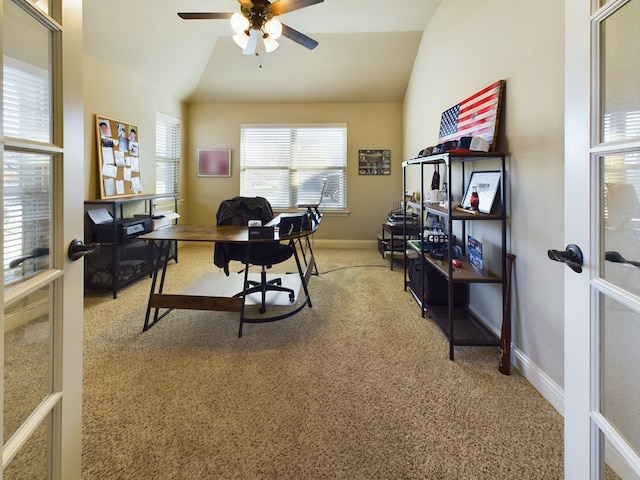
[238, 211]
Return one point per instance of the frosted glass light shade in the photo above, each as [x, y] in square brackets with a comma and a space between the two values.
[252, 45]
[270, 44]
[241, 40]
[239, 22]
[273, 28]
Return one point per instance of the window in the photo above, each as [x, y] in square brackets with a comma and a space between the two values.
[27, 176]
[287, 164]
[167, 154]
[621, 170]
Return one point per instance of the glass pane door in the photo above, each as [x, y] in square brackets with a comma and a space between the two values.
[30, 162]
[616, 403]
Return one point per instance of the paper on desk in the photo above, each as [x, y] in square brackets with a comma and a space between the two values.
[168, 214]
[100, 215]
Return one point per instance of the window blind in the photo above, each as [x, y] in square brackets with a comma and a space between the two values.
[27, 177]
[168, 144]
[621, 168]
[287, 164]
[26, 101]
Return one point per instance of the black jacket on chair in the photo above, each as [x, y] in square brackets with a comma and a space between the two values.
[238, 211]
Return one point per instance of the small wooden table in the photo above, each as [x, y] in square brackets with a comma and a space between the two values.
[161, 239]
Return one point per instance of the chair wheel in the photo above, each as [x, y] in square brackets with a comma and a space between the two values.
[278, 281]
[262, 309]
[292, 297]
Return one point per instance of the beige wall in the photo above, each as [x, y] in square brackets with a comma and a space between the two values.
[114, 94]
[370, 126]
[110, 93]
[522, 43]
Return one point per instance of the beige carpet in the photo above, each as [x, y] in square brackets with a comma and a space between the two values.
[358, 387]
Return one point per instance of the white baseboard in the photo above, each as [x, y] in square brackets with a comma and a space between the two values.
[549, 389]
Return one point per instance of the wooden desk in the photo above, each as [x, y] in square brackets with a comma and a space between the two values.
[161, 239]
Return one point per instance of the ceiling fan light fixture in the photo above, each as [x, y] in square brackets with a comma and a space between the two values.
[255, 21]
[273, 28]
[241, 40]
[270, 44]
[239, 23]
[252, 44]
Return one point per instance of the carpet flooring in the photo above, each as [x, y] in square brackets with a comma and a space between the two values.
[359, 386]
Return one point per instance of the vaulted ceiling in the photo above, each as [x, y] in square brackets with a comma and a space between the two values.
[366, 50]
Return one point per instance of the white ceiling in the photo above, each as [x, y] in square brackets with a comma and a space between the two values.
[365, 53]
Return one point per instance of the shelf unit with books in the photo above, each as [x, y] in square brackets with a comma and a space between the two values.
[457, 320]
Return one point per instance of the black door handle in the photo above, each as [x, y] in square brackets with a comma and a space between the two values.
[571, 256]
[615, 257]
[77, 249]
[35, 253]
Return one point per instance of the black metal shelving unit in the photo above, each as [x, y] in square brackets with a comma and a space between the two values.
[460, 325]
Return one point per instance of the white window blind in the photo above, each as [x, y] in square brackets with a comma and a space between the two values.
[287, 164]
[27, 177]
[168, 142]
[623, 167]
[26, 100]
[621, 126]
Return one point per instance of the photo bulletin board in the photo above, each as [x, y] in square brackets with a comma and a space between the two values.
[374, 162]
[214, 162]
[118, 158]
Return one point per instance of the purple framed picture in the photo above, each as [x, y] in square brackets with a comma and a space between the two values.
[214, 163]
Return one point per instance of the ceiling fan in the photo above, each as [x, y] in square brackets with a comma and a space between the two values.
[256, 21]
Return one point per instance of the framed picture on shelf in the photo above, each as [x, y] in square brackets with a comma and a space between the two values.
[374, 162]
[487, 185]
[214, 163]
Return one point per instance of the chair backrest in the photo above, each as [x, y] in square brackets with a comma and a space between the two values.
[239, 210]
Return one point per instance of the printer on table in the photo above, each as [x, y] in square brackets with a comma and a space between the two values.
[103, 228]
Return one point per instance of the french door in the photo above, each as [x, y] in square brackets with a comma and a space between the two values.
[42, 151]
[602, 216]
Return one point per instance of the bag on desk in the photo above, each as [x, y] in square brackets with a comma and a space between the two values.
[436, 287]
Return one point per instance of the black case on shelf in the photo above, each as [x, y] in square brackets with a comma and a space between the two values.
[436, 287]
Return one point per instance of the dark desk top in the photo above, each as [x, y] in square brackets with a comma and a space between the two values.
[213, 233]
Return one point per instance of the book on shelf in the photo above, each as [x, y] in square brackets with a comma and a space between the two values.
[474, 253]
[416, 244]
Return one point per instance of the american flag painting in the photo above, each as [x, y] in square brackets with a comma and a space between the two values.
[475, 116]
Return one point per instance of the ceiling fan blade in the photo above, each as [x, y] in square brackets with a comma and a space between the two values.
[204, 16]
[283, 6]
[248, 3]
[298, 37]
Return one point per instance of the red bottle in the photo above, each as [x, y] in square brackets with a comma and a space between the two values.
[475, 200]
